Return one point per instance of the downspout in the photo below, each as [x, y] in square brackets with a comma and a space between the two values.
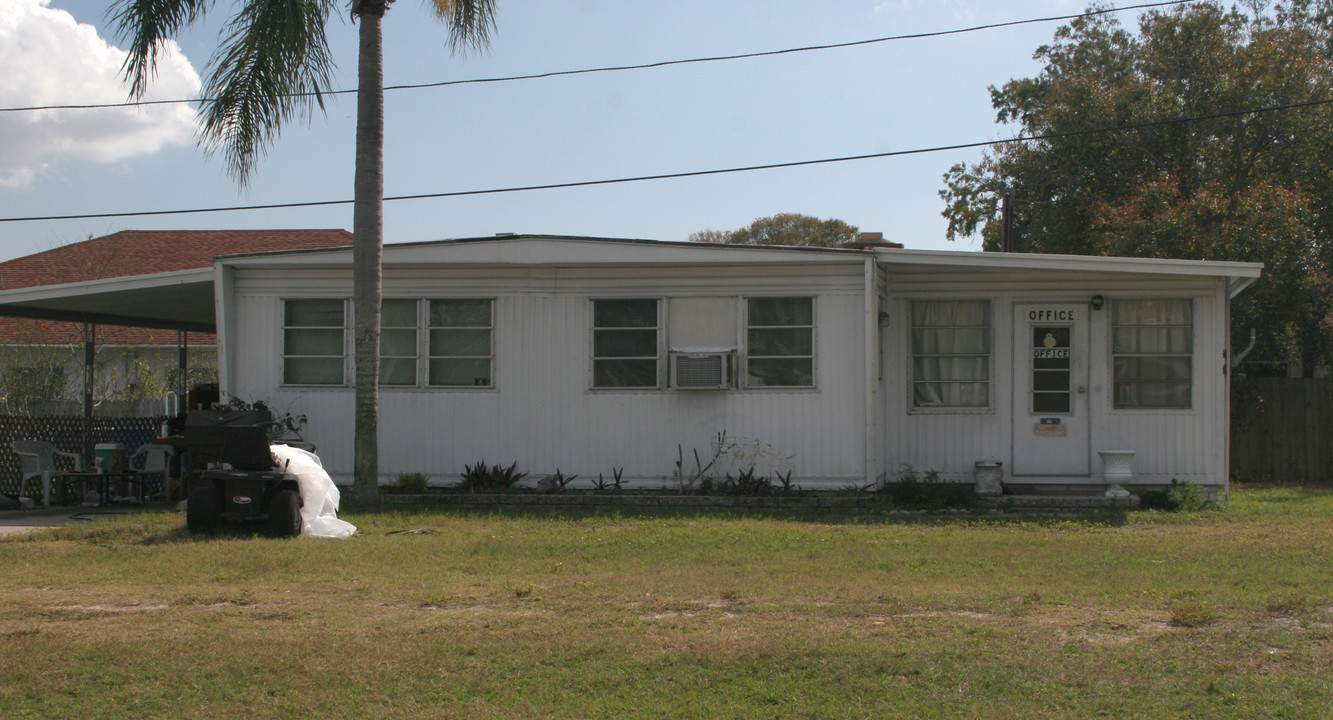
[1226, 406]
[1231, 288]
[1254, 336]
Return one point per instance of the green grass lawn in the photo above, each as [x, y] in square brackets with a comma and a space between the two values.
[1224, 614]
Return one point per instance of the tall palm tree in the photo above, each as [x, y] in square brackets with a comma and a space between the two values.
[274, 65]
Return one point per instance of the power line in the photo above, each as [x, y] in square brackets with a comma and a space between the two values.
[646, 66]
[693, 173]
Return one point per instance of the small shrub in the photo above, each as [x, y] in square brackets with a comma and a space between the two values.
[747, 484]
[1180, 497]
[412, 483]
[909, 492]
[1187, 497]
[601, 485]
[480, 478]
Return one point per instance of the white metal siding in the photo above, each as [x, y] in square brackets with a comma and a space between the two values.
[542, 412]
[1187, 445]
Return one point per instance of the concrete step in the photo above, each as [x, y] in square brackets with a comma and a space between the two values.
[1051, 501]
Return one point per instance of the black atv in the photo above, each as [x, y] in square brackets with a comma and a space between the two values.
[253, 489]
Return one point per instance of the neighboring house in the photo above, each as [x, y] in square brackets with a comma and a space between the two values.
[42, 361]
[842, 367]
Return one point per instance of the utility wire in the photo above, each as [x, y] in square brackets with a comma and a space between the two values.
[646, 66]
[695, 173]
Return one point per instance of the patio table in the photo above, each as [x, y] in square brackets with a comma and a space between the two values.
[104, 481]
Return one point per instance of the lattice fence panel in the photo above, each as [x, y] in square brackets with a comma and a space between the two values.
[66, 433]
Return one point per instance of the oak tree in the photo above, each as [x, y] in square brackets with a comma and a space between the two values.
[784, 229]
[1203, 135]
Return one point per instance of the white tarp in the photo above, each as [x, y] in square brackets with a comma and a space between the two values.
[319, 496]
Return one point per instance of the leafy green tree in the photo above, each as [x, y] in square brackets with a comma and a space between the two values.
[784, 229]
[274, 65]
[1184, 171]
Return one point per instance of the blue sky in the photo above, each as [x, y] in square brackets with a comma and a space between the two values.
[877, 98]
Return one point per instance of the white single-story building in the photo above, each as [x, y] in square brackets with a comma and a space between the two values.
[842, 367]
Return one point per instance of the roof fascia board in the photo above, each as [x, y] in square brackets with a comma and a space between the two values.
[1084, 263]
[127, 282]
[499, 251]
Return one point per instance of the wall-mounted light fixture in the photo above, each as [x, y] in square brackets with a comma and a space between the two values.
[1097, 302]
[883, 319]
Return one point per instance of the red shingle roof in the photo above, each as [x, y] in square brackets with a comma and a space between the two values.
[139, 252]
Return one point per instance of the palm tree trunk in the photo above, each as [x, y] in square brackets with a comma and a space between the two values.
[368, 247]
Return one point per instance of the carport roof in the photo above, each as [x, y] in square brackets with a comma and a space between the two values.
[180, 300]
[160, 279]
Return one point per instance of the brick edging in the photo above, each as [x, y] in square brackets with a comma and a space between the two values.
[595, 500]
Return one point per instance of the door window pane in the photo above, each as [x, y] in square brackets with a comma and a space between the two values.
[1052, 369]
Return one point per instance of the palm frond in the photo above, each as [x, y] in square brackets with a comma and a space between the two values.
[145, 24]
[274, 65]
[470, 23]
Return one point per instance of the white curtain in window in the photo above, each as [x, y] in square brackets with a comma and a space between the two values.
[951, 353]
[1152, 344]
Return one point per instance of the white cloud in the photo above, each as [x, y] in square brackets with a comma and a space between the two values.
[46, 58]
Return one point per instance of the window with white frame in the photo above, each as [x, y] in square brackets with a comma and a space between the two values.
[314, 349]
[951, 353]
[1152, 353]
[780, 342]
[626, 344]
[398, 342]
[461, 349]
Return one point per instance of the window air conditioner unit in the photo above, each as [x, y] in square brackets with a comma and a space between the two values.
[701, 369]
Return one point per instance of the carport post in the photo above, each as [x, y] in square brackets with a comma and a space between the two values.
[182, 366]
[89, 338]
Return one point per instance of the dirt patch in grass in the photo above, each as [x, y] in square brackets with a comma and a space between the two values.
[111, 608]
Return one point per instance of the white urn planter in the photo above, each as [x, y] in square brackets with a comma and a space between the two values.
[1117, 469]
[989, 477]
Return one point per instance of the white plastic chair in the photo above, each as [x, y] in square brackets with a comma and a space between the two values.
[156, 460]
[37, 459]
